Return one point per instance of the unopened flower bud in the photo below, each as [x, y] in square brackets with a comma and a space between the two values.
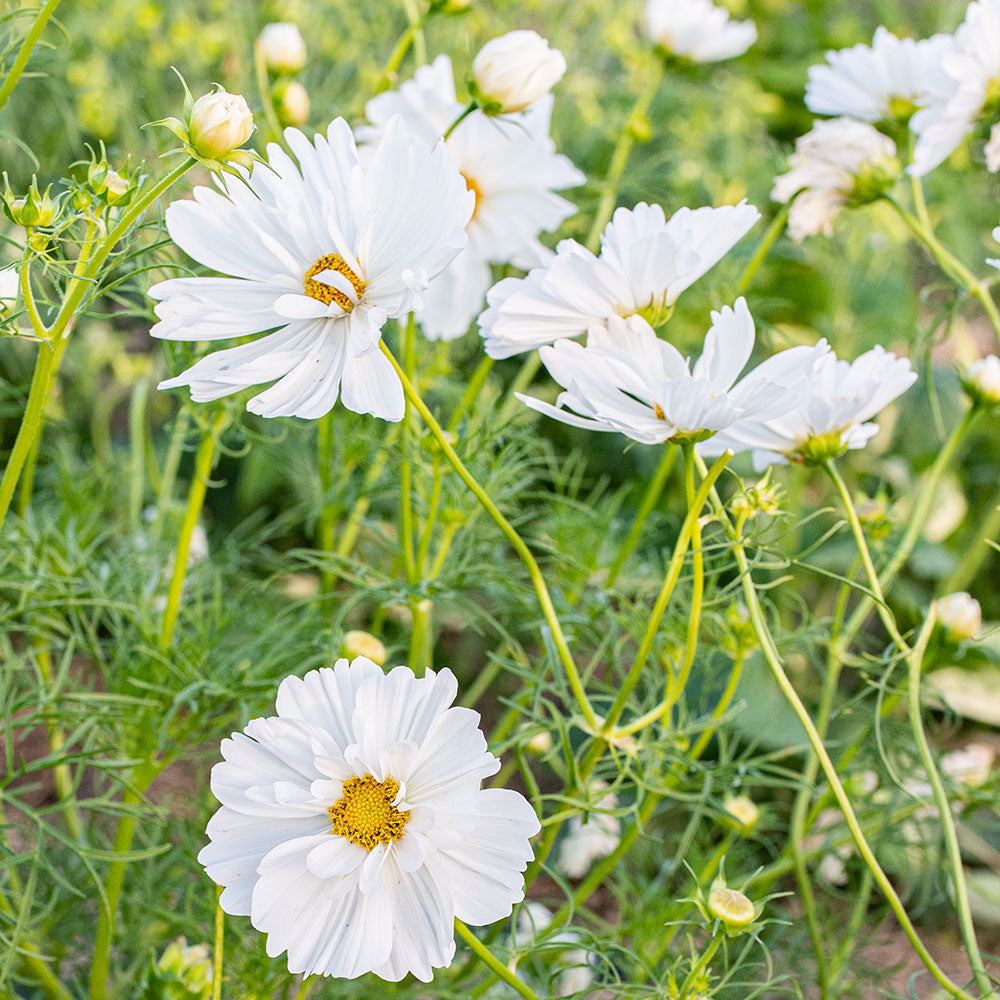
[34, 209]
[515, 71]
[220, 123]
[115, 188]
[358, 643]
[960, 615]
[540, 744]
[183, 972]
[742, 812]
[291, 102]
[731, 907]
[982, 380]
[282, 47]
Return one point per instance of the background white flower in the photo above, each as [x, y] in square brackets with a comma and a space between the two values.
[697, 30]
[517, 70]
[889, 79]
[838, 400]
[836, 161]
[587, 842]
[511, 166]
[9, 287]
[628, 380]
[646, 261]
[282, 47]
[353, 829]
[973, 69]
[960, 614]
[326, 251]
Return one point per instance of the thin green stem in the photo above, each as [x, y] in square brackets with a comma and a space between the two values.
[417, 24]
[462, 115]
[220, 938]
[706, 956]
[951, 265]
[494, 964]
[137, 451]
[619, 158]
[30, 306]
[196, 499]
[649, 502]
[509, 532]
[141, 778]
[170, 466]
[266, 98]
[979, 546]
[27, 47]
[432, 511]
[767, 242]
[406, 470]
[327, 520]
[471, 393]
[688, 529]
[773, 659]
[914, 661]
[721, 706]
[421, 635]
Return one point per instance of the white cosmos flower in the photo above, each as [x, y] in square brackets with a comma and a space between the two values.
[960, 614]
[838, 400]
[838, 161]
[511, 166]
[697, 30]
[326, 251]
[973, 68]
[587, 842]
[516, 70]
[889, 79]
[646, 261]
[628, 380]
[353, 829]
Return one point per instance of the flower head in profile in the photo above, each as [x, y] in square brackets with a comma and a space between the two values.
[353, 829]
[982, 380]
[839, 162]
[839, 398]
[886, 81]
[697, 30]
[960, 615]
[282, 47]
[628, 380]
[646, 261]
[325, 251]
[515, 71]
[511, 166]
[588, 841]
[972, 95]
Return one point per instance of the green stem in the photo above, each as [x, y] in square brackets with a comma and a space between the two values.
[170, 465]
[774, 662]
[494, 964]
[141, 779]
[137, 451]
[706, 956]
[688, 530]
[421, 635]
[774, 230]
[220, 937]
[196, 499]
[978, 548]
[649, 501]
[463, 114]
[61, 775]
[509, 532]
[266, 98]
[471, 393]
[406, 471]
[619, 158]
[24, 53]
[914, 661]
[951, 265]
[30, 306]
[417, 24]
[327, 520]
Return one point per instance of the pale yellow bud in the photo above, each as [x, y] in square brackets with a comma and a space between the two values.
[743, 811]
[960, 614]
[982, 379]
[357, 643]
[540, 743]
[220, 123]
[731, 907]
[515, 71]
[282, 47]
[116, 184]
[291, 101]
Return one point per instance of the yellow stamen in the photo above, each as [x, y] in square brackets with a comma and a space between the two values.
[327, 293]
[658, 412]
[365, 814]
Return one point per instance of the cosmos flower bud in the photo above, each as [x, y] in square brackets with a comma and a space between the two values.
[515, 71]
[220, 123]
[730, 906]
[960, 615]
[183, 972]
[282, 48]
[358, 643]
[540, 744]
[116, 187]
[291, 102]
[982, 380]
[34, 209]
[741, 812]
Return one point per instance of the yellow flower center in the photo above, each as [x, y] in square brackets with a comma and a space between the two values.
[365, 814]
[327, 293]
[476, 190]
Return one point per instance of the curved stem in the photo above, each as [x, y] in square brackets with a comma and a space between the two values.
[768, 240]
[619, 158]
[649, 501]
[914, 660]
[27, 47]
[509, 532]
[494, 964]
[196, 499]
[463, 114]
